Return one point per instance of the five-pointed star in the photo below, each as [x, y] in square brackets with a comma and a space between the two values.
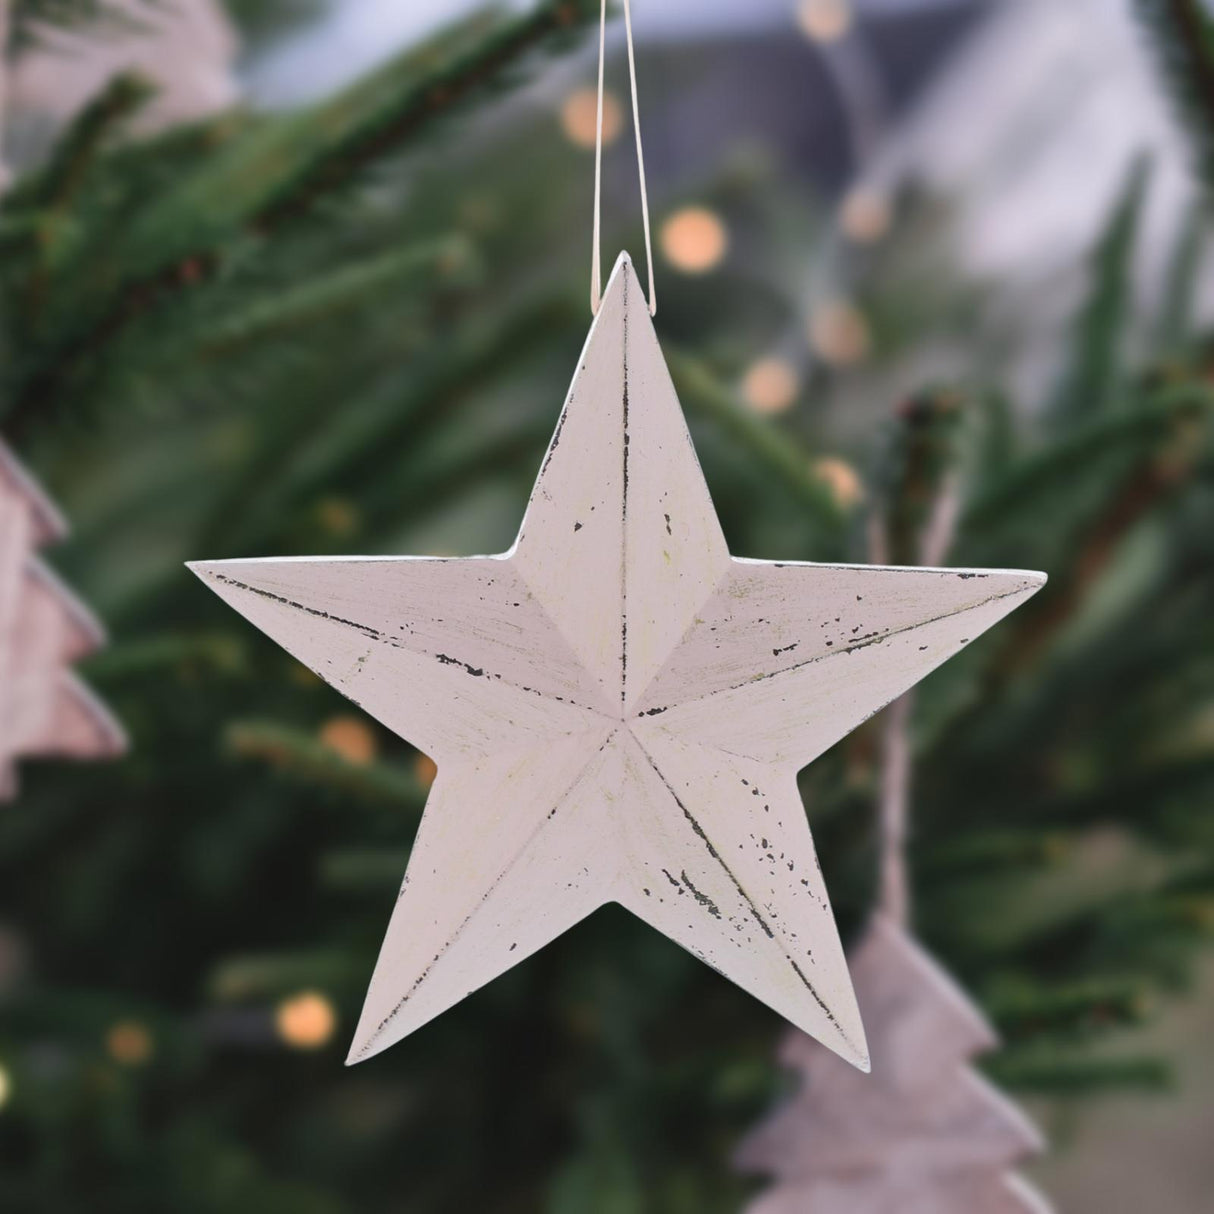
[618, 709]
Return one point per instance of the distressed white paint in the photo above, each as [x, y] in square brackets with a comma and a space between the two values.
[45, 711]
[924, 1133]
[618, 708]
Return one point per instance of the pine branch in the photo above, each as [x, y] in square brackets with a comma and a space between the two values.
[1183, 35]
[914, 474]
[284, 167]
[84, 140]
[1024, 1008]
[1184, 918]
[54, 190]
[373, 871]
[260, 21]
[213, 651]
[1178, 781]
[993, 852]
[280, 170]
[272, 975]
[1174, 327]
[1053, 469]
[303, 757]
[1091, 383]
[1060, 1073]
[1157, 478]
[451, 86]
[771, 449]
[451, 258]
[365, 447]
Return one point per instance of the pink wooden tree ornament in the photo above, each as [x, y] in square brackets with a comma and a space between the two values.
[45, 711]
[924, 1132]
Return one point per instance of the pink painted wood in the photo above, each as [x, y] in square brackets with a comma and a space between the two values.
[967, 1194]
[44, 709]
[924, 1133]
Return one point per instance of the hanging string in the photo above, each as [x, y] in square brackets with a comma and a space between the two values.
[896, 759]
[596, 277]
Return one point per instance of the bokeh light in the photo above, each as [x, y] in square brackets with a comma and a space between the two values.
[839, 334]
[130, 1043]
[351, 738]
[579, 117]
[770, 385]
[694, 240]
[865, 216]
[306, 1021]
[841, 479]
[338, 516]
[6, 1086]
[425, 769]
[825, 20]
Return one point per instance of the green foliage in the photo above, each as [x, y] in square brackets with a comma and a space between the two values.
[1183, 36]
[27, 18]
[299, 756]
[211, 217]
[1175, 328]
[259, 21]
[333, 331]
[1097, 359]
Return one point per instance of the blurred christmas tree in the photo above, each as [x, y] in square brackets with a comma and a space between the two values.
[349, 328]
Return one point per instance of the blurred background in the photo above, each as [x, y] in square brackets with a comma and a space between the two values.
[304, 277]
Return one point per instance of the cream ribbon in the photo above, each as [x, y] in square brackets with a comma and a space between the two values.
[596, 274]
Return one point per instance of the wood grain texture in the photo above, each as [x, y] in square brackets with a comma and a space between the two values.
[924, 1133]
[618, 708]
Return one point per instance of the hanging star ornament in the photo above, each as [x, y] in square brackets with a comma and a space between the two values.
[617, 707]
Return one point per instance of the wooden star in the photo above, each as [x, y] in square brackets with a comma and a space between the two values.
[618, 709]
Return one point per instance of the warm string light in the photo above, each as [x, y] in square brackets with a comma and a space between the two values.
[841, 480]
[579, 117]
[301, 676]
[306, 1021]
[130, 1043]
[865, 216]
[770, 385]
[350, 738]
[425, 769]
[337, 516]
[694, 240]
[839, 334]
[825, 20]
